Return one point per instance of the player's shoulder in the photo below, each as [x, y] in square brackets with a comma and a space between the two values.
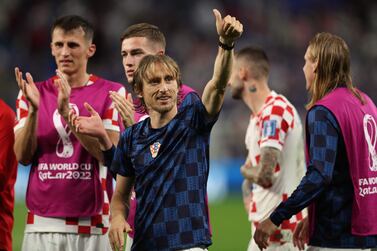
[136, 128]
[185, 89]
[277, 103]
[190, 99]
[106, 82]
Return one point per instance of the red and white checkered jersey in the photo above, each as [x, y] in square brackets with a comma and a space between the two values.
[276, 125]
[67, 151]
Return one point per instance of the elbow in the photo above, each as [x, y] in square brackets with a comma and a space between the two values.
[266, 182]
[22, 157]
[23, 161]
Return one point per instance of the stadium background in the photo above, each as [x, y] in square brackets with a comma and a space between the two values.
[282, 28]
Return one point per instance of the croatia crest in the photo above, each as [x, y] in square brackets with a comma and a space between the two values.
[154, 149]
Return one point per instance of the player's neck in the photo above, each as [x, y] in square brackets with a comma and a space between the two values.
[77, 79]
[159, 120]
[255, 98]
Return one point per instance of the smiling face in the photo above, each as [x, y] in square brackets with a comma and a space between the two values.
[133, 50]
[160, 89]
[157, 81]
[71, 50]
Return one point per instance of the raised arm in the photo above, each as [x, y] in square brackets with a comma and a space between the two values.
[229, 30]
[26, 137]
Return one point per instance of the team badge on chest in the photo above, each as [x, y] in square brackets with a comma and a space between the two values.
[154, 149]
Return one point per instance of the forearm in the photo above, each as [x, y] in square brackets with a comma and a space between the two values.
[310, 187]
[119, 207]
[213, 95]
[246, 193]
[263, 173]
[25, 144]
[269, 159]
[121, 198]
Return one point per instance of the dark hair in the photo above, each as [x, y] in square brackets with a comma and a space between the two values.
[257, 59]
[72, 22]
[149, 31]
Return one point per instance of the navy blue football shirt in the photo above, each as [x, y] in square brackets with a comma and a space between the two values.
[170, 166]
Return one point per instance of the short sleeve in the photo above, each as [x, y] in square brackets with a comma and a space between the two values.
[277, 119]
[194, 111]
[22, 111]
[111, 119]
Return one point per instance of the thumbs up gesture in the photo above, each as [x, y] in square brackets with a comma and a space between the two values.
[228, 28]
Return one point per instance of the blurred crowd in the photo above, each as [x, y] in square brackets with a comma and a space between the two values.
[282, 28]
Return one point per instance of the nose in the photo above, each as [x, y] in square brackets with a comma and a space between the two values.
[163, 87]
[129, 61]
[65, 50]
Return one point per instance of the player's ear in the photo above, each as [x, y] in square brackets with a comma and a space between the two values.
[91, 50]
[315, 66]
[243, 73]
[52, 49]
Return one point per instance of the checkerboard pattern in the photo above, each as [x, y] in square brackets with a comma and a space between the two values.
[171, 186]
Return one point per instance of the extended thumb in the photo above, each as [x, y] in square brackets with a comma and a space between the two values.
[90, 109]
[217, 15]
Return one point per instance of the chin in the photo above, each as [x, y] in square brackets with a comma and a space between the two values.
[163, 109]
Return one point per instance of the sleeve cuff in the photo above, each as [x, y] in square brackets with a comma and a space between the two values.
[109, 155]
[276, 218]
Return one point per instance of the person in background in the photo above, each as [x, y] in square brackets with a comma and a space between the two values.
[341, 131]
[8, 174]
[69, 188]
[274, 140]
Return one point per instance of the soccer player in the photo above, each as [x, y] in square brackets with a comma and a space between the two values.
[274, 139]
[339, 185]
[166, 155]
[69, 188]
[137, 41]
[8, 173]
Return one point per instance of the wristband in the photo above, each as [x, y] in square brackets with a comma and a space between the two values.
[225, 46]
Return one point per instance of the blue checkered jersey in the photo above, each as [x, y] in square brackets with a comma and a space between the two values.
[328, 184]
[170, 166]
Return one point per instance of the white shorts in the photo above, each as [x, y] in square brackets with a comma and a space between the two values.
[288, 246]
[285, 247]
[65, 241]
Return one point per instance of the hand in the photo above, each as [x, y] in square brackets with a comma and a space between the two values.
[28, 88]
[301, 234]
[91, 126]
[229, 29]
[125, 108]
[250, 172]
[116, 233]
[263, 232]
[64, 91]
[255, 174]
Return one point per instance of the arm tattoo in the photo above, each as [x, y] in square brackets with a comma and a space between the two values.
[269, 159]
[246, 193]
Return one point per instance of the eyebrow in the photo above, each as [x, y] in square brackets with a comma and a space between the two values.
[133, 50]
